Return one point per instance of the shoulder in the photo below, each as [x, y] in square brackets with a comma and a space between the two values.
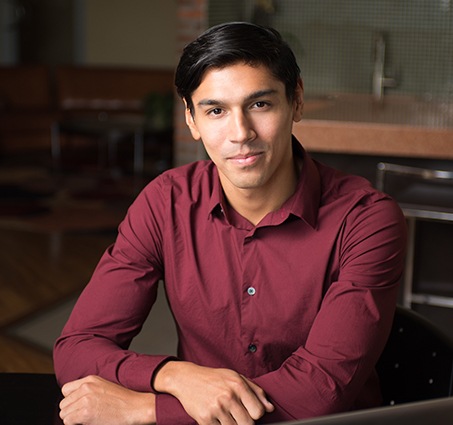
[353, 198]
[339, 186]
[187, 180]
[175, 192]
[336, 183]
[169, 195]
[369, 224]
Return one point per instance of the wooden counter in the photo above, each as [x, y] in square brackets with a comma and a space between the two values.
[402, 126]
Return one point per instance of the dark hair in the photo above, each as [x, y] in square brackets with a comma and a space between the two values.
[230, 43]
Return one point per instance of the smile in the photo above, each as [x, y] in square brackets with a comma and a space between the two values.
[248, 159]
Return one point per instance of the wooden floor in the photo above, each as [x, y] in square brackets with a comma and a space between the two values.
[44, 260]
[37, 275]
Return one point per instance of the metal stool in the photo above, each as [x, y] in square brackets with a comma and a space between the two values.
[426, 194]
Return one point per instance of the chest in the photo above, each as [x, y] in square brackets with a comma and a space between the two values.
[274, 275]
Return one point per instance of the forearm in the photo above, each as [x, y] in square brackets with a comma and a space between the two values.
[93, 400]
[107, 316]
[299, 391]
[113, 307]
[211, 395]
[77, 356]
[334, 371]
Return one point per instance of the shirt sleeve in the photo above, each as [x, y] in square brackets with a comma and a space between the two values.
[112, 308]
[330, 373]
[324, 376]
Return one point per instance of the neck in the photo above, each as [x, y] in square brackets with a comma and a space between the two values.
[255, 204]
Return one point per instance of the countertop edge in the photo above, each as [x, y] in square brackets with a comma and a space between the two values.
[375, 139]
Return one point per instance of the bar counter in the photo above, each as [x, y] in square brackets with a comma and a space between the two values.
[399, 126]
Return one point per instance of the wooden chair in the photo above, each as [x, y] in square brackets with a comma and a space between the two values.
[108, 104]
[27, 108]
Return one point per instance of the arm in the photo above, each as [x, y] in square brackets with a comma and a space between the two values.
[95, 340]
[212, 395]
[329, 372]
[364, 277]
[92, 355]
[95, 401]
[114, 305]
[332, 369]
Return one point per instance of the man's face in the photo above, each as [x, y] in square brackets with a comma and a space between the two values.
[244, 119]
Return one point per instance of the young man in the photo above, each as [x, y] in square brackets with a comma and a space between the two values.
[281, 273]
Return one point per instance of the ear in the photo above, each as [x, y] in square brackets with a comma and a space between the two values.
[298, 106]
[190, 121]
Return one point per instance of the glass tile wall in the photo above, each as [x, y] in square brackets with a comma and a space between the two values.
[334, 41]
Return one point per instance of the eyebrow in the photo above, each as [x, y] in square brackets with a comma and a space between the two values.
[252, 96]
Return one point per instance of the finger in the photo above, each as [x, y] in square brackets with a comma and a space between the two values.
[239, 415]
[64, 403]
[252, 406]
[260, 395]
[259, 392]
[72, 417]
[75, 406]
[74, 391]
[67, 410]
[72, 386]
[246, 406]
[70, 401]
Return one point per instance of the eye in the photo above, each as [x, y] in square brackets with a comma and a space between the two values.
[261, 104]
[215, 111]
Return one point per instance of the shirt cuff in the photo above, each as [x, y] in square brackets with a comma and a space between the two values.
[138, 373]
[169, 411]
[163, 360]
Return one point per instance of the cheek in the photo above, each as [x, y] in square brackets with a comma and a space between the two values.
[272, 128]
[212, 146]
[212, 135]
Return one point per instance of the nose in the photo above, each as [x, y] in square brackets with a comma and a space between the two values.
[240, 128]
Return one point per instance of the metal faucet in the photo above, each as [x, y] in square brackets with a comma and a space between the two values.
[380, 81]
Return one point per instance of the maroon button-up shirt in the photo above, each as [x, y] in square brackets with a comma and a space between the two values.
[301, 303]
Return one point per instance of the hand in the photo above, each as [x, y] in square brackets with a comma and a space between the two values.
[95, 401]
[213, 396]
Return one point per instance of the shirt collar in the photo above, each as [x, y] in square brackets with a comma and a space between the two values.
[217, 202]
[304, 203]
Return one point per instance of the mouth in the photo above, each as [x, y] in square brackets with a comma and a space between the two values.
[246, 159]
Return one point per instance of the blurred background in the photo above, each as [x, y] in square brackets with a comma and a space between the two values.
[88, 116]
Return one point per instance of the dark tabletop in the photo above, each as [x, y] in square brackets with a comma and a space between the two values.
[29, 399]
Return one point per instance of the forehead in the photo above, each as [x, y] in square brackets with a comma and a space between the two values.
[237, 80]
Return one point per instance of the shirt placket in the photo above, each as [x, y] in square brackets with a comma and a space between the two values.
[250, 300]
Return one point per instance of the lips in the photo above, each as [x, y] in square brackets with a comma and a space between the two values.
[246, 159]
[246, 155]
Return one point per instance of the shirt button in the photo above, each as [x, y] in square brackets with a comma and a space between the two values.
[252, 348]
[251, 291]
